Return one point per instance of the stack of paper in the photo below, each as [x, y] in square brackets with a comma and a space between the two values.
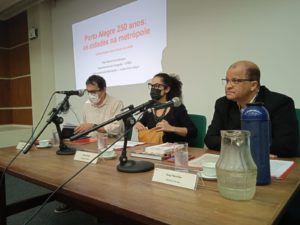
[119, 144]
[279, 168]
[157, 152]
[160, 149]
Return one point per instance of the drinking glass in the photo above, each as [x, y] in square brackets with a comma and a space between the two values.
[181, 155]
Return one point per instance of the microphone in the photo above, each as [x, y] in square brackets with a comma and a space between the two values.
[79, 92]
[175, 102]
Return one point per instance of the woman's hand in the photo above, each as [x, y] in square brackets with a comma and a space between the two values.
[164, 126]
[139, 126]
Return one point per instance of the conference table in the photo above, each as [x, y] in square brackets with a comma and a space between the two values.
[133, 198]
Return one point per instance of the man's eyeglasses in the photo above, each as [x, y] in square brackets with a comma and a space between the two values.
[234, 81]
[93, 91]
[156, 86]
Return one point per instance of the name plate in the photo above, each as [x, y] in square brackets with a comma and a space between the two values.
[176, 178]
[21, 145]
[85, 156]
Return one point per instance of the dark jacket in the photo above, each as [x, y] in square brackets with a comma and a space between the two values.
[282, 113]
[178, 117]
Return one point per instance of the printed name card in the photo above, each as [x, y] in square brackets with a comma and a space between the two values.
[176, 178]
[85, 156]
[21, 145]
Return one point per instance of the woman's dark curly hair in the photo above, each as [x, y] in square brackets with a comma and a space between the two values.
[173, 82]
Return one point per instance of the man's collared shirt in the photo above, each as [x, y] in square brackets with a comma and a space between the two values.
[109, 108]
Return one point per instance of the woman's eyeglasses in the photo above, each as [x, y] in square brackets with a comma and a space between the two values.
[156, 86]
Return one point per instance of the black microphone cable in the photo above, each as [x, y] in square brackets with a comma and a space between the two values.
[73, 176]
[27, 142]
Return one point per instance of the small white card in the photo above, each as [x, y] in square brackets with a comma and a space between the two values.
[21, 145]
[176, 178]
[85, 156]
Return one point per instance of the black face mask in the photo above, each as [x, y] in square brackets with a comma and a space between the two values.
[155, 93]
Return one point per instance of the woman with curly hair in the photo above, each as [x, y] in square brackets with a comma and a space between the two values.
[174, 122]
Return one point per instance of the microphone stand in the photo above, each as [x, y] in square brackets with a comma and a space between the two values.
[128, 166]
[131, 166]
[63, 149]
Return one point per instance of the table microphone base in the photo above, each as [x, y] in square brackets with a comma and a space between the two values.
[132, 166]
[66, 151]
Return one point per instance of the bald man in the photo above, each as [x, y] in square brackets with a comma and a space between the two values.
[242, 86]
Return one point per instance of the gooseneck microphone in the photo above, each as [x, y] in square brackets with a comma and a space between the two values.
[79, 92]
[175, 102]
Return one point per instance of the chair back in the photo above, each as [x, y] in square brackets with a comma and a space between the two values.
[200, 123]
[298, 118]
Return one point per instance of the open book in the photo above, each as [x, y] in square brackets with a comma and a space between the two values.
[119, 145]
[157, 152]
[142, 154]
[279, 168]
[161, 149]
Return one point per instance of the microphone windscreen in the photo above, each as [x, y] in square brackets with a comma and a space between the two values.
[81, 92]
[176, 101]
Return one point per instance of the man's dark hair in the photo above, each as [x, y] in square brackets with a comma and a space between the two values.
[173, 82]
[96, 79]
[253, 73]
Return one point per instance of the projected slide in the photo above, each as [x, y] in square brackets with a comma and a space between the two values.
[124, 45]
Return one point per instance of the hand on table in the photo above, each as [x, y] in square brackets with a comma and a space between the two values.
[83, 127]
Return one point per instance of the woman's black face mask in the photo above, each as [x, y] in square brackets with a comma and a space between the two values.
[155, 94]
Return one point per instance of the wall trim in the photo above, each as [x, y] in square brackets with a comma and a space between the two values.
[15, 108]
[15, 46]
[14, 78]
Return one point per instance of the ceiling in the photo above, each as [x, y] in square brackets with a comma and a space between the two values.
[4, 4]
[9, 8]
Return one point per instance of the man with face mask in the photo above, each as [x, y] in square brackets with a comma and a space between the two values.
[100, 107]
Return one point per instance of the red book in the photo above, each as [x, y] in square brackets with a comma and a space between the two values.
[86, 140]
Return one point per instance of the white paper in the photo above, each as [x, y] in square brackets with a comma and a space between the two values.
[161, 148]
[207, 157]
[176, 178]
[278, 167]
[120, 144]
[85, 156]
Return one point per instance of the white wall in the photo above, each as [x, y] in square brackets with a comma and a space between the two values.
[41, 63]
[204, 37]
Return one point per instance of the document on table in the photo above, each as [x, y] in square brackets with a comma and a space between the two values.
[120, 144]
[279, 168]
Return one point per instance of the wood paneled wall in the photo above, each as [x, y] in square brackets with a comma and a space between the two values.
[4, 71]
[15, 81]
[3, 31]
[19, 61]
[4, 93]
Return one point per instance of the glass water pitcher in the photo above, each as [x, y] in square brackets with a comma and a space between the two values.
[236, 170]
